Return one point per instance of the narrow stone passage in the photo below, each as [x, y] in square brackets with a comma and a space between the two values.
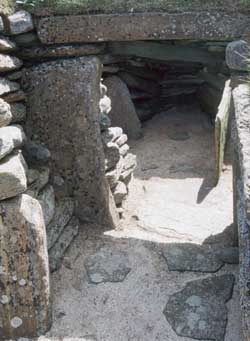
[170, 271]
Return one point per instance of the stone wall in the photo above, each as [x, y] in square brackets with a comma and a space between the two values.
[237, 54]
[78, 163]
[25, 308]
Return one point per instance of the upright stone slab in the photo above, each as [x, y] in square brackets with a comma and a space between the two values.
[24, 271]
[63, 111]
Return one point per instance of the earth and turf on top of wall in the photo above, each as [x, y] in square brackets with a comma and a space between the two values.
[57, 7]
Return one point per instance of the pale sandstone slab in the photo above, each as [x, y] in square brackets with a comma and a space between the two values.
[11, 137]
[146, 26]
[9, 63]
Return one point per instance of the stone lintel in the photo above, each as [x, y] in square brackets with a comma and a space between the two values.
[206, 25]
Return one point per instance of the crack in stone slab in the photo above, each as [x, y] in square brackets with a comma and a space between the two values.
[199, 310]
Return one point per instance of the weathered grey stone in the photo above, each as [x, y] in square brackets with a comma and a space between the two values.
[141, 84]
[5, 113]
[120, 192]
[35, 153]
[192, 257]
[20, 22]
[6, 44]
[13, 97]
[241, 149]
[57, 252]
[47, 52]
[11, 137]
[237, 55]
[74, 140]
[123, 112]
[228, 255]
[111, 134]
[63, 213]
[26, 39]
[107, 266]
[12, 176]
[14, 76]
[41, 179]
[142, 26]
[18, 112]
[7, 86]
[105, 122]
[9, 63]
[121, 140]
[105, 105]
[25, 270]
[112, 155]
[124, 149]
[47, 201]
[129, 166]
[113, 175]
[1, 25]
[199, 310]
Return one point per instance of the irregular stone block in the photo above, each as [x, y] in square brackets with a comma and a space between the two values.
[199, 311]
[47, 52]
[111, 134]
[5, 113]
[47, 201]
[121, 140]
[124, 149]
[63, 213]
[105, 122]
[35, 153]
[105, 105]
[237, 55]
[192, 257]
[57, 252]
[20, 22]
[10, 137]
[26, 39]
[123, 112]
[13, 97]
[74, 140]
[9, 63]
[142, 26]
[6, 44]
[14, 76]
[37, 180]
[12, 176]
[7, 86]
[128, 168]
[1, 25]
[18, 112]
[25, 287]
[107, 266]
[113, 175]
[112, 155]
[120, 193]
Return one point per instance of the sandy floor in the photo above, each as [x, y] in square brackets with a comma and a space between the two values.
[171, 200]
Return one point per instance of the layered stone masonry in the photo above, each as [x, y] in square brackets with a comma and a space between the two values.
[25, 308]
[237, 56]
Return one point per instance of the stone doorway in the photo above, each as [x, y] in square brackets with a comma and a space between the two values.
[137, 276]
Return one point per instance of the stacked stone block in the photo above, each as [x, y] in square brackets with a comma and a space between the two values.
[24, 268]
[119, 163]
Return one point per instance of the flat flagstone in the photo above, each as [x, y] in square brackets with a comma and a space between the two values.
[107, 266]
[203, 258]
[199, 310]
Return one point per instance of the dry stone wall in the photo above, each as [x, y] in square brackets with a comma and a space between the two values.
[25, 308]
[237, 54]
